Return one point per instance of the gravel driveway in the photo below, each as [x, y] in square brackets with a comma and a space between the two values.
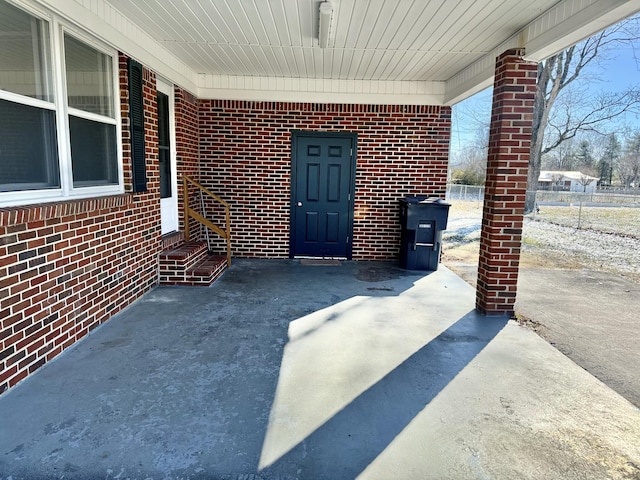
[578, 288]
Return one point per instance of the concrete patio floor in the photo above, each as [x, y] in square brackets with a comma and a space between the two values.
[285, 371]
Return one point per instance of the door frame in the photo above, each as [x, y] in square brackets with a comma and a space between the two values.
[295, 135]
[166, 87]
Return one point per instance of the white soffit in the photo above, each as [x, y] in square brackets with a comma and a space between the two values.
[565, 24]
[379, 51]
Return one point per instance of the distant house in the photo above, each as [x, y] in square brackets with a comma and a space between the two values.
[571, 181]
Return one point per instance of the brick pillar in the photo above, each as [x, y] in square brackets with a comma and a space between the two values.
[506, 184]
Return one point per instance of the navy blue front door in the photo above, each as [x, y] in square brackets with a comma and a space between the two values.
[322, 194]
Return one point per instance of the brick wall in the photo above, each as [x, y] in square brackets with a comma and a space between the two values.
[245, 155]
[506, 184]
[186, 119]
[67, 267]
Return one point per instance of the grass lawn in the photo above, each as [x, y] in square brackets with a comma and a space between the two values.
[622, 221]
[607, 239]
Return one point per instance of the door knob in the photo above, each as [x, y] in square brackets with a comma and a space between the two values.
[299, 204]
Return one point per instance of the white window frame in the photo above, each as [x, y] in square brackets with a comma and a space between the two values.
[57, 29]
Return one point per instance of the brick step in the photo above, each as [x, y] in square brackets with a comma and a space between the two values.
[171, 240]
[207, 270]
[183, 256]
[190, 264]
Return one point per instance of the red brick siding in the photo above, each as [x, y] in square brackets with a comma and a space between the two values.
[245, 157]
[186, 119]
[67, 267]
[506, 183]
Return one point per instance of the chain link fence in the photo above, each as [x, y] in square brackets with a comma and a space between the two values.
[465, 193]
[599, 197]
[611, 211]
[629, 197]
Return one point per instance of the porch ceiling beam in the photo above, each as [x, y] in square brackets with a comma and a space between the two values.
[567, 23]
[279, 89]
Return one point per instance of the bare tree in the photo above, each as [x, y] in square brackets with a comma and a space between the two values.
[561, 71]
[585, 180]
[471, 169]
[557, 181]
[561, 158]
[629, 164]
[629, 171]
[469, 165]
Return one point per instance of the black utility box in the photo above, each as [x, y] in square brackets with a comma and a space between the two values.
[422, 220]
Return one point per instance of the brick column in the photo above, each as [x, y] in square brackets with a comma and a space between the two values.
[506, 184]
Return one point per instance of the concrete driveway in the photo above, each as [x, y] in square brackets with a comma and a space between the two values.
[285, 371]
[591, 317]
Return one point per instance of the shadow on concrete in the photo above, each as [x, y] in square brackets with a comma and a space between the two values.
[349, 441]
[185, 383]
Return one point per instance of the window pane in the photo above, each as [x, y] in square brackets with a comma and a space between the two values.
[28, 148]
[89, 78]
[25, 67]
[93, 152]
[164, 145]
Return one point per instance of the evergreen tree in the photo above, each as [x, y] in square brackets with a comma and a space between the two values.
[609, 159]
[584, 157]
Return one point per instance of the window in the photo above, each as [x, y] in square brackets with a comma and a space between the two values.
[164, 145]
[28, 148]
[92, 128]
[59, 124]
[28, 138]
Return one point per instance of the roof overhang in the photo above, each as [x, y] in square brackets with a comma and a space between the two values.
[558, 28]
[450, 77]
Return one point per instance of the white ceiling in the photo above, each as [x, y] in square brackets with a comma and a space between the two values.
[434, 51]
[401, 40]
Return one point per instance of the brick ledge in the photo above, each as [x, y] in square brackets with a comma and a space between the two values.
[44, 211]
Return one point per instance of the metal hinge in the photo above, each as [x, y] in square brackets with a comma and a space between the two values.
[347, 239]
[351, 152]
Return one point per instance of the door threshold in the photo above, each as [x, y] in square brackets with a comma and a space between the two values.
[321, 262]
[318, 257]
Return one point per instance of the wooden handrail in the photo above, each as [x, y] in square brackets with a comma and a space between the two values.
[191, 213]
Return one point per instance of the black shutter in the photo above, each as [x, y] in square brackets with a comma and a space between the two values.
[136, 122]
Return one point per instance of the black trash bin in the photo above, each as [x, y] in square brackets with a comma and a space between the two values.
[422, 220]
